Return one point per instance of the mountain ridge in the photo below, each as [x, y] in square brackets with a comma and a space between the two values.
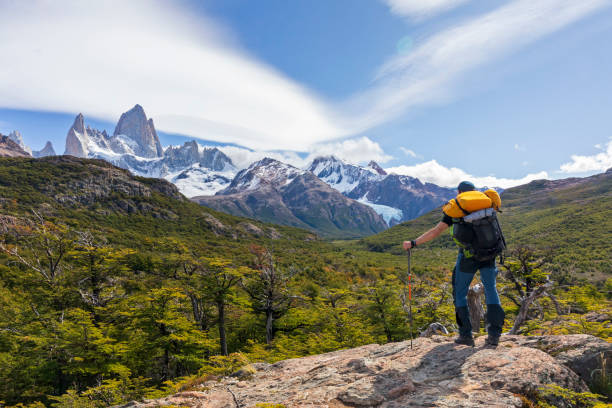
[272, 191]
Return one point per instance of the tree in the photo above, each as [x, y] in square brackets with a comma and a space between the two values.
[163, 342]
[525, 268]
[98, 270]
[39, 245]
[383, 306]
[268, 289]
[218, 278]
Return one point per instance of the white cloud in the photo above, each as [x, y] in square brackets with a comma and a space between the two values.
[419, 9]
[597, 162]
[430, 72]
[519, 147]
[408, 152]
[357, 151]
[433, 172]
[102, 57]
[243, 158]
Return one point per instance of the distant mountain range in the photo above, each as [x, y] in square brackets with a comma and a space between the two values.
[272, 191]
[16, 137]
[396, 198]
[328, 196]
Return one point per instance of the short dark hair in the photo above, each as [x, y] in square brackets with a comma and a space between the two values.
[466, 186]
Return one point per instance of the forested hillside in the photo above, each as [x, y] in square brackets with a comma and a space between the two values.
[115, 287]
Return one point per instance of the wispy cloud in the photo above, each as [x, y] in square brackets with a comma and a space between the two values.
[408, 152]
[433, 172]
[597, 162]
[519, 148]
[102, 57]
[419, 9]
[429, 74]
[193, 78]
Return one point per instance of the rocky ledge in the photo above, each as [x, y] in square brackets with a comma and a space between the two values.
[434, 373]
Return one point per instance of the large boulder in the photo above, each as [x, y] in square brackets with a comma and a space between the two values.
[435, 373]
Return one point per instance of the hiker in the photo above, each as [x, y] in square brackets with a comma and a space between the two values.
[471, 256]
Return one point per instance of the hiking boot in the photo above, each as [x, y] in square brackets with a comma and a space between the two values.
[492, 341]
[468, 341]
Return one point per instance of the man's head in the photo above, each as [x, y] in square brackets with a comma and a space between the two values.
[466, 186]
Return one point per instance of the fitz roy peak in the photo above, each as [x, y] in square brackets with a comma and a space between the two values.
[330, 196]
[136, 127]
[135, 146]
[134, 135]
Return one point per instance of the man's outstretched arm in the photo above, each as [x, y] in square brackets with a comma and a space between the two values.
[428, 236]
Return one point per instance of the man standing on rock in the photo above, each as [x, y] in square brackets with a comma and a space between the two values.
[463, 273]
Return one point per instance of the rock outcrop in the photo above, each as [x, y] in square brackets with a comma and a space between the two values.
[435, 373]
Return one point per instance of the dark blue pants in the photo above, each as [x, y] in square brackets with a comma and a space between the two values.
[465, 269]
[464, 272]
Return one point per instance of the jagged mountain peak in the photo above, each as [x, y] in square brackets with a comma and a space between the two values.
[376, 167]
[79, 123]
[48, 150]
[10, 148]
[135, 125]
[265, 172]
[16, 137]
[77, 141]
[341, 176]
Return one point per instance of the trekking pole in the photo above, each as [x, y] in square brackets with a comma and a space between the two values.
[410, 296]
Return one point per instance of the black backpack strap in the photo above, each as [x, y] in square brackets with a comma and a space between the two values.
[461, 208]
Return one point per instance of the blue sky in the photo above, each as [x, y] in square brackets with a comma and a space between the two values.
[441, 90]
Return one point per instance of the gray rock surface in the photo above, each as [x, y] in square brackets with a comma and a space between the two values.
[77, 139]
[435, 373]
[135, 125]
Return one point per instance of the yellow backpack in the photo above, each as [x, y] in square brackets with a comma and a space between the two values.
[476, 228]
[470, 201]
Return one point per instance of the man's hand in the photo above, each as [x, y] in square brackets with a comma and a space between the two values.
[407, 245]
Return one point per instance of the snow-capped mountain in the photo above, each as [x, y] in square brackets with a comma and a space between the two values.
[16, 137]
[373, 198]
[10, 148]
[396, 198]
[276, 192]
[48, 150]
[342, 176]
[265, 172]
[134, 145]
